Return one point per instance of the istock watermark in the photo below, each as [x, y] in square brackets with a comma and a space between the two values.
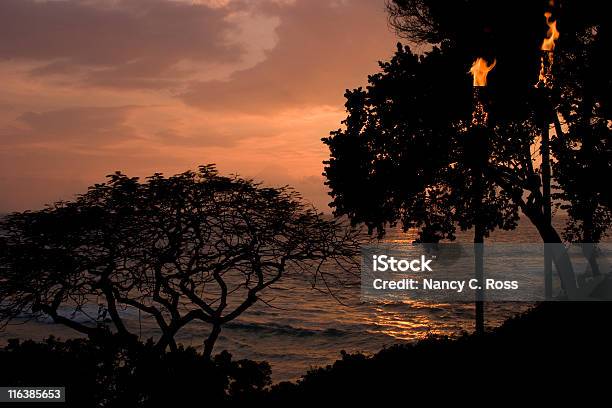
[383, 263]
[512, 272]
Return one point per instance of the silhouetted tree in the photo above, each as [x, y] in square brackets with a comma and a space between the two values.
[194, 246]
[402, 154]
[584, 153]
[406, 152]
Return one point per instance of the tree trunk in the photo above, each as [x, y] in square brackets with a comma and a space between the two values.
[209, 343]
[112, 309]
[167, 339]
[560, 258]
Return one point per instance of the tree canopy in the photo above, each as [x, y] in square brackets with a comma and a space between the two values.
[194, 246]
[405, 149]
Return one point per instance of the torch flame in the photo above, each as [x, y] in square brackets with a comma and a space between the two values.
[479, 71]
[545, 78]
[549, 42]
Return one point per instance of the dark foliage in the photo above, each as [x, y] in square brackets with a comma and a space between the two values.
[552, 352]
[555, 351]
[120, 374]
[406, 152]
[403, 153]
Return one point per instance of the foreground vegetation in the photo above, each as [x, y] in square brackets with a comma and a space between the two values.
[556, 341]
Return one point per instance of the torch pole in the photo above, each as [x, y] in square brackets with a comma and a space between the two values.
[479, 135]
[546, 203]
[547, 58]
[477, 155]
[479, 253]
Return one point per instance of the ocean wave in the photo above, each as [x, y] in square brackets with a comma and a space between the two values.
[285, 329]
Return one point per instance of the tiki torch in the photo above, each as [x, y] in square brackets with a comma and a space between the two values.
[477, 155]
[544, 86]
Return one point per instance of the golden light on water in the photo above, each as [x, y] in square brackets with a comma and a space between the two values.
[410, 320]
[401, 325]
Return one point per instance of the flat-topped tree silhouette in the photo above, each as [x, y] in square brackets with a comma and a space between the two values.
[196, 246]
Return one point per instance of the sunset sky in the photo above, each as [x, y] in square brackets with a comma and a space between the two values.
[144, 86]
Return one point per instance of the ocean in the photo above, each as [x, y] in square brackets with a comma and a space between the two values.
[302, 328]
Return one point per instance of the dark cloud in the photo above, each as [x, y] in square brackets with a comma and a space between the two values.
[117, 43]
[89, 126]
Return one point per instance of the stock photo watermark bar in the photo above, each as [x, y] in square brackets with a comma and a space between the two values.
[513, 272]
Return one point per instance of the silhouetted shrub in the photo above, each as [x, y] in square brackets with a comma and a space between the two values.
[111, 374]
[556, 350]
[562, 343]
